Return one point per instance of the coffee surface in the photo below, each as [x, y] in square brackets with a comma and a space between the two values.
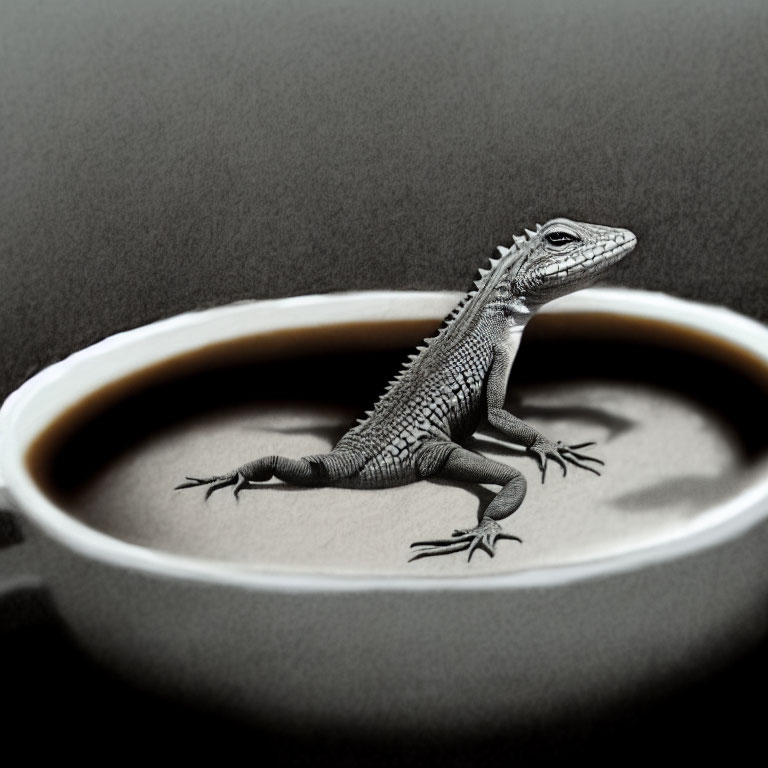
[674, 419]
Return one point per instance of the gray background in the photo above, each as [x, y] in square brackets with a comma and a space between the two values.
[158, 156]
[162, 155]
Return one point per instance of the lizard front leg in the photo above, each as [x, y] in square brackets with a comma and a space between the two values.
[521, 433]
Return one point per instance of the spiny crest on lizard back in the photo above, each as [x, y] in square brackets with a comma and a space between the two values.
[489, 280]
[557, 258]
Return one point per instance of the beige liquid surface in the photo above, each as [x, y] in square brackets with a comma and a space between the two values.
[675, 416]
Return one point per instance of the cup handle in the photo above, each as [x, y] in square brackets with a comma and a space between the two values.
[6, 502]
[15, 553]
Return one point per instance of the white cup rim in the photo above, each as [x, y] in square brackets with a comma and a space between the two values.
[142, 346]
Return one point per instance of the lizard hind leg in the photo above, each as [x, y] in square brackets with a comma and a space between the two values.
[462, 464]
[308, 471]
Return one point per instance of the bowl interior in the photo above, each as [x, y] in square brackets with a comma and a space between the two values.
[672, 411]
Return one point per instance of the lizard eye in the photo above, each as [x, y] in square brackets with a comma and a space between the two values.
[561, 238]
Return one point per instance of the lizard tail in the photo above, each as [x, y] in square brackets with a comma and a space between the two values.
[335, 466]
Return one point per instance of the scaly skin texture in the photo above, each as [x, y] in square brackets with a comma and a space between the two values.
[416, 428]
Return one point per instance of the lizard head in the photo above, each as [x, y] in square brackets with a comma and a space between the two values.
[564, 256]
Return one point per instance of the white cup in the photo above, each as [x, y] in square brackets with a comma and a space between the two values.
[376, 651]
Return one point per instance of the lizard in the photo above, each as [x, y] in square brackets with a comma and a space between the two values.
[416, 428]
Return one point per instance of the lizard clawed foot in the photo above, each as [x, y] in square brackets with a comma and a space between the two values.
[235, 478]
[545, 449]
[484, 536]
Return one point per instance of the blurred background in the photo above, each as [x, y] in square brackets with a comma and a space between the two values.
[158, 156]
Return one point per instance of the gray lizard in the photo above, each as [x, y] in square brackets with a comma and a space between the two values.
[459, 376]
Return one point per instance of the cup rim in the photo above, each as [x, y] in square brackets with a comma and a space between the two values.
[192, 330]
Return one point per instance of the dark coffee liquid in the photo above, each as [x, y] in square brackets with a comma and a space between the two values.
[349, 365]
